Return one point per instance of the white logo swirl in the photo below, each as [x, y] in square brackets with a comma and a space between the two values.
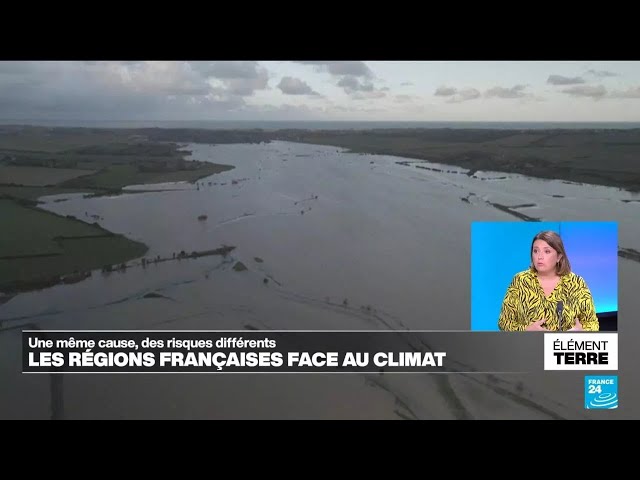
[604, 400]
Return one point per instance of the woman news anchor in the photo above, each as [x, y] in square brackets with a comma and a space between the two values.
[547, 290]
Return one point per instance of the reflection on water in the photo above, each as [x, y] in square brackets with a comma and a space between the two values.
[330, 240]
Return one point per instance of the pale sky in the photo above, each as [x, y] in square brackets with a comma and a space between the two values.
[503, 91]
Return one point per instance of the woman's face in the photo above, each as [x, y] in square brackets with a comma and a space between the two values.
[544, 257]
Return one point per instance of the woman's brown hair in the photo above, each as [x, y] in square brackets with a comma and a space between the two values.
[553, 239]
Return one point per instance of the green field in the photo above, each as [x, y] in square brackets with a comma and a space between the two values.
[45, 139]
[601, 157]
[116, 177]
[39, 176]
[33, 193]
[37, 247]
[77, 159]
[48, 245]
[598, 156]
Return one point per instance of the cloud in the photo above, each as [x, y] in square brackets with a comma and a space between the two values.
[295, 86]
[352, 84]
[170, 78]
[230, 70]
[351, 68]
[601, 73]
[455, 95]
[359, 89]
[357, 69]
[445, 91]
[501, 92]
[368, 95]
[562, 80]
[593, 91]
[631, 92]
[355, 78]
[466, 94]
[122, 90]
[406, 84]
[239, 78]
[18, 68]
[402, 98]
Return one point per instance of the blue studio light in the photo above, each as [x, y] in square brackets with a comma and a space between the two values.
[501, 249]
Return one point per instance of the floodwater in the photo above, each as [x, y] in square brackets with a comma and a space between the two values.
[345, 241]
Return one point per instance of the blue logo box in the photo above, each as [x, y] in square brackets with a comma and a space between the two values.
[600, 391]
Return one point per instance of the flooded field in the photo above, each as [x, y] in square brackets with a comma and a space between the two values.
[329, 240]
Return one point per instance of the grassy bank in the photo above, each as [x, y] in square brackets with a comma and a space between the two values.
[22, 192]
[44, 249]
[115, 177]
[93, 160]
[601, 157]
[39, 248]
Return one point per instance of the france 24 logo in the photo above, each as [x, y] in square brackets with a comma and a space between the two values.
[601, 392]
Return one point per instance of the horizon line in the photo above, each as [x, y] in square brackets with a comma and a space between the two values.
[314, 121]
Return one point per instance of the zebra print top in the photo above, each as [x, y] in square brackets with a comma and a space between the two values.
[525, 302]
